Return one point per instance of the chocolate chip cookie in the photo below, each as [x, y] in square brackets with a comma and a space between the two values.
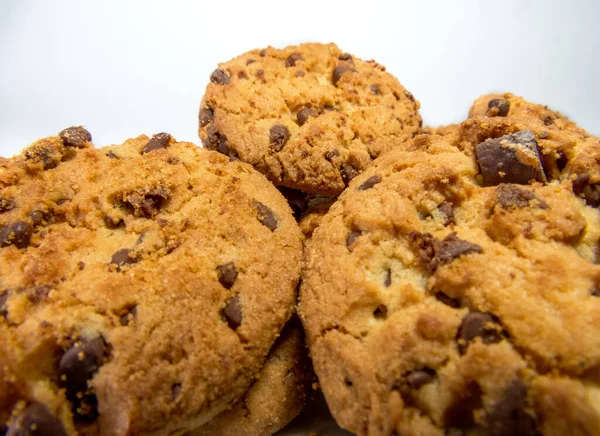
[275, 398]
[459, 292]
[309, 117]
[142, 285]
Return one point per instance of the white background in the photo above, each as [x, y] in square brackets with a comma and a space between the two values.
[126, 68]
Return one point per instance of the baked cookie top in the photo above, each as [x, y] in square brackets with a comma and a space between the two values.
[308, 117]
[453, 288]
[275, 398]
[141, 285]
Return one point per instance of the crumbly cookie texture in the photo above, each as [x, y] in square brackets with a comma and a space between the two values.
[453, 288]
[141, 285]
[275, 398]
[439, 130]
[309, 117]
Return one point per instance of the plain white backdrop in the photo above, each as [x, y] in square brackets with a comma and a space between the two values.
[122, 68]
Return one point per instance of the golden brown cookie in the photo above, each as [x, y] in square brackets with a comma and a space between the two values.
[275, 398]
[309, 117]
[459, 292]
[142, 285]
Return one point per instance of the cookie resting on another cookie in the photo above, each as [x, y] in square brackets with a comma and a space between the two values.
[460, 293]
[141, 285]
[275, 398]
[309, 117]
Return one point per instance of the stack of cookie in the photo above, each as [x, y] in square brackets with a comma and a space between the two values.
[450, 286]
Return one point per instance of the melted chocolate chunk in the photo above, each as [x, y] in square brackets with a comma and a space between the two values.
[346, 57]
[75, 136]
[292, 59]
[369, 183]
[17, 234]
[510, 159]
[227, 274]
[447, 211]
[590, 192]
[124, 256]
[233, 312]
[338, 72]
[450, 248]
[512, 197]
[75, 368]
[448, 301]
[205, 116]
[375, 89]
[157, 142]
[219, 77]
[278, 135]
[37, 420]
[352, 237]
[498, 107]
[478, 325]
[348, 173]
[508, 416]
[266, 216]
[303, 115]
[6, 204]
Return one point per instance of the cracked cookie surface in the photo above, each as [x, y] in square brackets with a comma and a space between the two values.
[458, 293]
[141, 285]
[309, 117]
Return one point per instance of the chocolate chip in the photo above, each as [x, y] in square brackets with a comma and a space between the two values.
[460, 411]
[448, 301]
[124, 256]
[498, 107]
[375, 89]
[508, 416]
[3, 308]
[227, 274]
[417, 379]
[157, 142]
[510, 159]
[338, 71]
[263, 53]
[111, 155]
[128, 316]
[369, 183]
[75, 136]
[6, 204]
[47, 156]
[548, 120]
[37, 420]
[450, 248]
[38, 293]
[279, 135]
[409, 96]
[75, 368]
[266, 216]
[250, 61]
[478, 325]
[205, 116]
[147, 204]
[36, 217]
[17, 234]
[292, 59]
[81, 265]
[352, 237]
[512, 197]
[346, 57]
[329, 155]
[296, 199]
[595, 293]
[233, 312]
[447, 211]
[589, 191]
[388, 278]
[303, 115]
[380, 312]
[175, 391]
[219, 77]
[561, 161]
[348, 173]
[261, 75]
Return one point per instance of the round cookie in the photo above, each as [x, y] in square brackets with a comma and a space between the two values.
[457, 292]
[309, 117]
[141, 285]
[273, 400]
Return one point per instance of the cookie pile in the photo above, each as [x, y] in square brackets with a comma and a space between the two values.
[446, 278]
